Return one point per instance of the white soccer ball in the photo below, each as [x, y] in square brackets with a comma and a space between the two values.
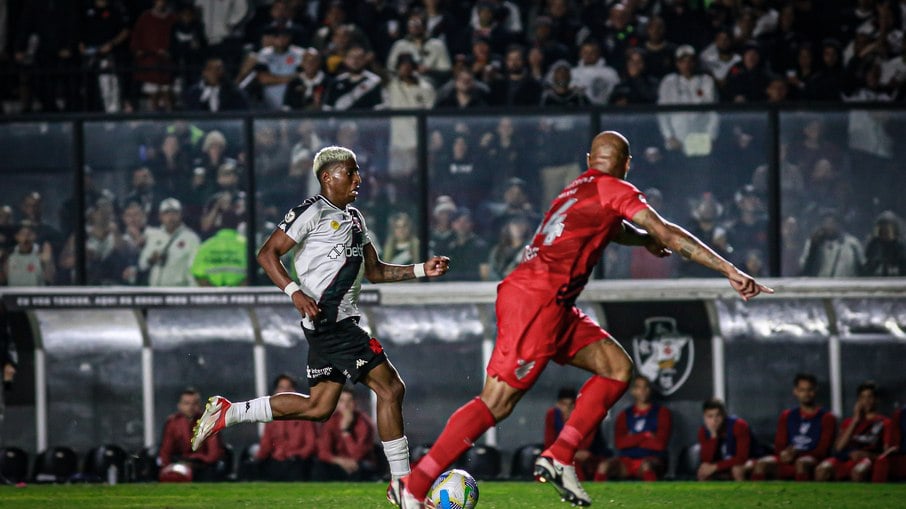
[454, 489]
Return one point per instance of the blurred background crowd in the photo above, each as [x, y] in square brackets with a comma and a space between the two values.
[169, 200]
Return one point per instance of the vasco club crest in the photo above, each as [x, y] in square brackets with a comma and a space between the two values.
[664, 355]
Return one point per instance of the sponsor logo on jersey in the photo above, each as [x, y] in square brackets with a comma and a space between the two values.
[347, 251]
[664, 355]
[288, 218]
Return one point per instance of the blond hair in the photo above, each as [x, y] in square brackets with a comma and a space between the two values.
[328, 156]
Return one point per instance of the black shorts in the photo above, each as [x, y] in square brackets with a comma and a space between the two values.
[341, 351]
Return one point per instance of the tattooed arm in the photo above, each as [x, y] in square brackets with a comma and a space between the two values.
[681, 241]
[379, 272]
[630, 235]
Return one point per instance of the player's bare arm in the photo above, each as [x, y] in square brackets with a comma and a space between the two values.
[631, 235]
[679, 240]
[277, 245]
[379, 272]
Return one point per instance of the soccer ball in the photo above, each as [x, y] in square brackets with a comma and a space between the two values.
[454, 489]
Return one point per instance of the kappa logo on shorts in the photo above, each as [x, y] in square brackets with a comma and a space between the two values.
[664, 355]
[360, 362]
[523, 368]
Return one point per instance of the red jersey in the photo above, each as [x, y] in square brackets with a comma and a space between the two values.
[581, 221]
[357, 443]
[870, 435]
[285, 440]
[177, 443]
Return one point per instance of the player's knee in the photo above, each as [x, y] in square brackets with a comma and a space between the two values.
[622, 369]
[739, 473]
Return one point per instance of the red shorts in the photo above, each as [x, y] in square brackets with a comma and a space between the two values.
[786, 471]
[532, 332]
[633, 465]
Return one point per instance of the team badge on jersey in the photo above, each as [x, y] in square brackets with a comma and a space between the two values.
[335, 225]
[664, 355]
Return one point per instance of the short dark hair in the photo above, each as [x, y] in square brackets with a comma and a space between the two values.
[868, 385]
[808, 377]
[714, 403]
[642, 377]
[284, 376]
[189, 391]
[566, 393]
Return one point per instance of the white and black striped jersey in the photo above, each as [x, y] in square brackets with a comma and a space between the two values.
[349, 93]
[329, 258]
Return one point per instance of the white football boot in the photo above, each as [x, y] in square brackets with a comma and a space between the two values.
[211, 421]
[563, 478]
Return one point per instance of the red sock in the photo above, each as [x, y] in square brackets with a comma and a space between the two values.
[600, 476]
[464, 427]
[595, 398]
[649, 476]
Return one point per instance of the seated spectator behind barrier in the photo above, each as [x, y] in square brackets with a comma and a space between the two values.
[863, 437]
[169, 250]
[830, 251]
[804, 437]
[692, 132]
[592, 451]
[891, 466]
[402, 246]
[464, 93]
[592, 74]
[726, 444]
[641, 435]
[306, 91]
[515, 235]
[707, 214]
[559, 91]
[637, 86]
[515, 86]
[176, 443]
[346, 444]
[214, 92]
[441, 218]
[187, 44]
[356, 88]
[748, 79]
[277, 66]
[468, 249]
[430, 54]
[287, 448]
[29, 263]
[135, 224]
[150, 45]
[885, 253]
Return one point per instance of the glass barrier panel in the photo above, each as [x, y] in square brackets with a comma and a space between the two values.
[166, 203]
[37, 204]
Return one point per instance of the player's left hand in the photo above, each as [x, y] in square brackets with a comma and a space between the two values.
[657, 249]
[437, 266]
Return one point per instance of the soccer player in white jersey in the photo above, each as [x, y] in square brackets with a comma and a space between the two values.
[336, 252]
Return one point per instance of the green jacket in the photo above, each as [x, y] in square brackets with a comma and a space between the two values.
[221, 260]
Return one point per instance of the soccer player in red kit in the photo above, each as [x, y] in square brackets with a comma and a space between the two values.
[863, 437]
[641, 434]
[537, 320]
[725, 442]
[891, 466]
[804, 436]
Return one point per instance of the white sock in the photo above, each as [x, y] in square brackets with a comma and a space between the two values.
[253, 410]
[397, 452]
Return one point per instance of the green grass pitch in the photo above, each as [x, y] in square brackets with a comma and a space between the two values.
[493, 495]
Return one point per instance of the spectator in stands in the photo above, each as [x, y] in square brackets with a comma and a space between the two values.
[103, 245]
[641, 435]
[486, 23]
[830, 251]
[402, 245]
[804, 437]
[53, 24]
[150, 45]
[287, 448]
[381, 21]
[306, 91]
[707, 216]
[660, 54]
[215, 92]
[551, 49]
[893, 72]
[441, 229]
[514, 202]
[777, 91]
[226, 203]
[144, 190]
[559, 93]
[346, 444]
[461, 174]
[515, 87]
[507, 253]
[885, 253]
[213, 155]
[803, 72]
[726, 444]
[277, 66]
[592, 451]
[222, 259]
[169, 249]
[827, 83]
[104, 29]
[891, 465]
[638, 85]
[781, 47]
[335, 18]
[863, 437]
[565, 24]
[470, 250]
[504, 11]
[693, 132]
[406, 90]
[593, 75]
[750, 229]
[279, 17]
[500, 151]
[221, 20]
[429, 54]
[747, 80]
[619, 34]
[187, 44]
[356, 88]
[464, 93]
[135, 222]
[30, 262]
[176, 441]
[31, 209]
[9, 360]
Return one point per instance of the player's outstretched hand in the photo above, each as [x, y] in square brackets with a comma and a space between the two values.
[306, 305]
[745, 285]
[437, 266]
[657, 249]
